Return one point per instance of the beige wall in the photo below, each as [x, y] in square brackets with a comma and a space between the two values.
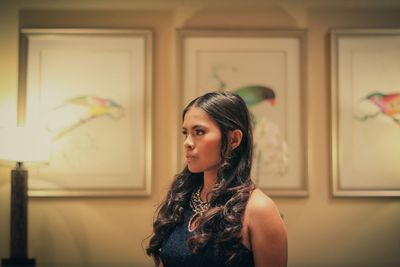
[323, 231]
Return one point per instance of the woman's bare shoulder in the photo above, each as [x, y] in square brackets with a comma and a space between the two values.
[259, 200]
[266, 230]
[260, 207]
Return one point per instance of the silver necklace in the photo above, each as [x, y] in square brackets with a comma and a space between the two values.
[197, 205]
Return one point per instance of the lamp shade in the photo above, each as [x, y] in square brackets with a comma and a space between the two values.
[25, 144]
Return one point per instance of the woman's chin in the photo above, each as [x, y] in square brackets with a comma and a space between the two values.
[193, 169]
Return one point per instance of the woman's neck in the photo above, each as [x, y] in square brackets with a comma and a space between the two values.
[208, 184]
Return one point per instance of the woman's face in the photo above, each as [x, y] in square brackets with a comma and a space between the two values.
[202, 141]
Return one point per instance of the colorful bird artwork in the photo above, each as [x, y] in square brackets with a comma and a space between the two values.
[271, 153]
[255, 94]
[251, 94]
[387, 104]
[77, 111]
[270, 150]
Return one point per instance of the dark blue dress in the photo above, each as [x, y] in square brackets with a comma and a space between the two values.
[176, 253]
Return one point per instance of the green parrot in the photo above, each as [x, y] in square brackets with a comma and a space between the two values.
[255, 94]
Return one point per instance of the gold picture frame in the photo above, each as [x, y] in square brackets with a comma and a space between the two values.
[365, 129]
[91, 88]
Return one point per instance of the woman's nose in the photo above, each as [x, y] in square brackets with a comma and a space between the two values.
[188, 143]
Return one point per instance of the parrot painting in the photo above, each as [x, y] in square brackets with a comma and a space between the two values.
[79, 110]
[255, 94]
[251, 94]
[270, 150]
[388, 104]
[271, 153]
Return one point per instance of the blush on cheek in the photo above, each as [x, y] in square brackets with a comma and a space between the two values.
[209, 154]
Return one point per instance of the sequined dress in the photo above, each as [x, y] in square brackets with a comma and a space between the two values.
[176, 253]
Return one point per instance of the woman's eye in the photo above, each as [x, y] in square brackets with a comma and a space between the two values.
[184, 133]
[200, 132]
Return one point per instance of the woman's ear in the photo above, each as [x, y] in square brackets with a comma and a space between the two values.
[235, 138]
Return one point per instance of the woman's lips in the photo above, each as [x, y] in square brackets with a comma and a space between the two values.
[189, 157]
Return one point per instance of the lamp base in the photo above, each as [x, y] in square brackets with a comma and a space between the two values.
[18, 262]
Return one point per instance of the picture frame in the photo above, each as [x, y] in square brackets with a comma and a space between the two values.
[271, 61]
[92, 89]
[365, 112]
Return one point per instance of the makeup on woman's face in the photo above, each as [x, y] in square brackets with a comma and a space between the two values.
[202, 141]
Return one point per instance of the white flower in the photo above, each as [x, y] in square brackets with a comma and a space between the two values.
[270, 150]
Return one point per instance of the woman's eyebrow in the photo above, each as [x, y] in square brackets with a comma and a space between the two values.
[198, 126]
[194, 127]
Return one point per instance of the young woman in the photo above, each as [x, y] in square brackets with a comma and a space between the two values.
[213, 214]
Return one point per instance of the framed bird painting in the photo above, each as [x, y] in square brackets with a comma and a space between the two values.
[266, 68]
[365, 112]
[91, 89]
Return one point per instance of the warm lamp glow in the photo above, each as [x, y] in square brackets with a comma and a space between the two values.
[24, 144]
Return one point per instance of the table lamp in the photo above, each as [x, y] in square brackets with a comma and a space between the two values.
[21, 144]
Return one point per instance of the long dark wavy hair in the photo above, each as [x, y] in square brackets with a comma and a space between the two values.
[220, 225]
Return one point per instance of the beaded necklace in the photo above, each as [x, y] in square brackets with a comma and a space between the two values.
[197, 205]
